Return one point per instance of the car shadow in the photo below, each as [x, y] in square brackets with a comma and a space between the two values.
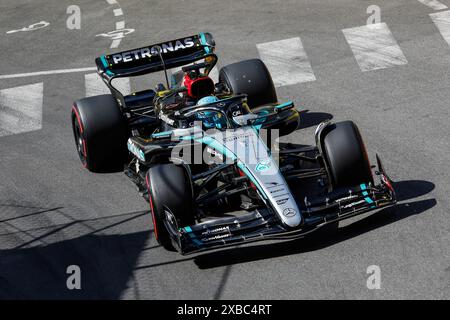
[410, 189]
[110, 168]
[406, 190]
[37, 269]
[108, 262]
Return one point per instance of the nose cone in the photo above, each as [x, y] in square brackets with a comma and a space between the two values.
[291, 216]
[256, 162]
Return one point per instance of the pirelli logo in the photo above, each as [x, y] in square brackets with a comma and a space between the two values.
[148, 52]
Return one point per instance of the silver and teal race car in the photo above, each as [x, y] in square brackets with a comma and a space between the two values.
[206, 155]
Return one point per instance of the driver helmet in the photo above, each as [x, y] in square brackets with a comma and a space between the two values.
[210, 119]
[207, 100]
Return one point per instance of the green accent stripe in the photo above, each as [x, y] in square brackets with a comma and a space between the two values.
[203, 42]
[283, 105]
[365, 193]
[105, 63]
[161, 134]
[192, 236]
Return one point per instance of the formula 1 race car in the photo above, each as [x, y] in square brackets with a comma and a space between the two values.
[203, 153]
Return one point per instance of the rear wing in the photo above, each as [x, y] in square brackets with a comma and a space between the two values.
[145, 60]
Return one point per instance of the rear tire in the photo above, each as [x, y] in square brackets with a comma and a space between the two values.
[346, 155]
[252, 78]
[100, 133]
[169, 186]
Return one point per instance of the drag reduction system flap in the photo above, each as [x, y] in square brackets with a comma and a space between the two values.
[147, 59]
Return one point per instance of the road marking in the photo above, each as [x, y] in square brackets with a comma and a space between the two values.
[442, 22]
[116, 34]
[433, 4]
[287, 61]
[122, 84]
[120, 31]
[94, 85]
[374, 47]
[120, 25]
[115, 43]
[21, 109]
[45, 73]
[118, 12]
[31, 27]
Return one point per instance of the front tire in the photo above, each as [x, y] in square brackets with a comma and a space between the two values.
[346, 155]
[169, 188]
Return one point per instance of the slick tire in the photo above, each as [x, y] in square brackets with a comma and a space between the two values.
[250, 77]
[169, 189]
[100, 133]
[346, 155]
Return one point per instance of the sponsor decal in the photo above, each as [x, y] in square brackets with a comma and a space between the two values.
[240, 136]
[135, 150]
[216, 230]
[277, 190]
[289, 212]
[218, 237]
[353, 204]
[282, 201]
[282, 195]
[346, 198]
[213, 234]
[263, 165]
[148, 52]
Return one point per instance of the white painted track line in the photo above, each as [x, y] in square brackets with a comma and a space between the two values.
[115, 43]
[45, 73]
[118, 12]
[120, 25]
[21, 109]
[121, 84]
[94, 85]
[374, 47]
[442, 22]
[287, 61]
[433, 4]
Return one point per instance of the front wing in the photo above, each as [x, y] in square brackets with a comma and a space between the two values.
[264, 225]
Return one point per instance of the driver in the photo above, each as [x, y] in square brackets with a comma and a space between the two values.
[195, 89]
[210, 119]
[199, 90]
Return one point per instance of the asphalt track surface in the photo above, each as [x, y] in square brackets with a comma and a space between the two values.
[54, 213]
